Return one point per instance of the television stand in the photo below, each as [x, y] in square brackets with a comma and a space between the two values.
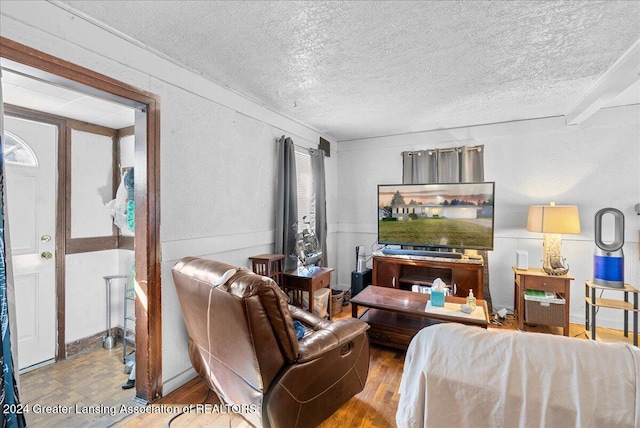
[422, 253]
[403, 271]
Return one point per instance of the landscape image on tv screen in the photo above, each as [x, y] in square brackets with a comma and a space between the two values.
[452, 215]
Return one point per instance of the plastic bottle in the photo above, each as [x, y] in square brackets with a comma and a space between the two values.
[471, 300]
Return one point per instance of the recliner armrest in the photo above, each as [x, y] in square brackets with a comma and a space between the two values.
[312, 321]
[330, 336]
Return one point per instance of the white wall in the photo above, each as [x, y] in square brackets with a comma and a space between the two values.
[91, 184]
[532, 162]
[85, 304]
[86, 291]
[217, 152]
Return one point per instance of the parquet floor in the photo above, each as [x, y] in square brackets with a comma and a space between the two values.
[86, 381]
[94, 379]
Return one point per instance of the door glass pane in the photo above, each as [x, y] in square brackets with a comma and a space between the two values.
[17, 151]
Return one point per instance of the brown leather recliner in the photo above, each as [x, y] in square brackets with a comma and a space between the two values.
[243, 344]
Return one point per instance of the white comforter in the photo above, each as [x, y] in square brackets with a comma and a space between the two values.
[461, 376]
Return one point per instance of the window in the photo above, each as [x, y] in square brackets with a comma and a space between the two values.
[304, 182]
[17, 151]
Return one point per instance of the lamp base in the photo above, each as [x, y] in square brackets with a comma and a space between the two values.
[556, 271]
[552, 262]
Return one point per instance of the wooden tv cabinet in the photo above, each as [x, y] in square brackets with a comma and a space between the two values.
[404, 271]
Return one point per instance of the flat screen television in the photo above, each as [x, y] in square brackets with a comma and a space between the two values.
[436, 216]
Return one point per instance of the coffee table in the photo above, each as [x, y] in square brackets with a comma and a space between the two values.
[395, 315]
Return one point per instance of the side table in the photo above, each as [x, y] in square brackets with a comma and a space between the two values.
[268, 265]
[310, 280]
[537, 279]
[593, 303]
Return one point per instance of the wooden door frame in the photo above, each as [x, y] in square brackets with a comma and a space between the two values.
[147, 201]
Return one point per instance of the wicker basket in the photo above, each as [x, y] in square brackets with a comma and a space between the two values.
[336, 302]
[544, 313]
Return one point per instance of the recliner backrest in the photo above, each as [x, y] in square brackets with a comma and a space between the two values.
[243, 345]
[241, 330]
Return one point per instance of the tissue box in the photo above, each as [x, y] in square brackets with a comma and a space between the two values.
[437, 298]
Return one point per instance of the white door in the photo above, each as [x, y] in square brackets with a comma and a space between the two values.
[31, 201]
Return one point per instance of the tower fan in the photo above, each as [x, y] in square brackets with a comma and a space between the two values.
[608, 259]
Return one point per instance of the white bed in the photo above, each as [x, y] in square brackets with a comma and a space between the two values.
[461, 376]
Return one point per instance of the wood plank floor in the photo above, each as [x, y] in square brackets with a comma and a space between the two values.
[94, 379]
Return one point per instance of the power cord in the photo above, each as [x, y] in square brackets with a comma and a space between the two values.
[496, 319]
[170, 421]
[374, 247]
[599, 297]
[586, 333]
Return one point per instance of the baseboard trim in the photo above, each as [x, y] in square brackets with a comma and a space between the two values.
[92, 342]
[88, 343]
[177, 381]
[36, 366]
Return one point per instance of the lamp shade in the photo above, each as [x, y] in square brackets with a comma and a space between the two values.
[553, 219]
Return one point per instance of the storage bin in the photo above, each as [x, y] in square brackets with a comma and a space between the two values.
[320, 302]
[337, 297]
[544, 311]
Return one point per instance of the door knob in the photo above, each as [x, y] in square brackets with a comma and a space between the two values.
[46, 255]
[45, 238]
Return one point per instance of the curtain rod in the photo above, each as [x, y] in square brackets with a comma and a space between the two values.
[298, 146]
[447, 150]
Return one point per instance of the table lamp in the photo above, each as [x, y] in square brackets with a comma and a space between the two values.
[553, 220]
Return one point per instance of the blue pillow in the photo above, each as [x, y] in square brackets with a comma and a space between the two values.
[300, 330]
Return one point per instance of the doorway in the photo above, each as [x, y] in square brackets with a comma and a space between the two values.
[147, 214]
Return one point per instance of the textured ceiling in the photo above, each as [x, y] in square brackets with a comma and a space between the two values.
[361, 69]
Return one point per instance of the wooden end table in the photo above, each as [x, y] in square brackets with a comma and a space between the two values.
[537, 279]
[309, 280]
[268, 265]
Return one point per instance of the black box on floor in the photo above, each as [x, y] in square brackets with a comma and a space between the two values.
[359, 281]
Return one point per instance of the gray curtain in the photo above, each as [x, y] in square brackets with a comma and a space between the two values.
[286, 203]
[319, 200]
[448, 165]
[451, 165]
[471, 164]
[420, 166]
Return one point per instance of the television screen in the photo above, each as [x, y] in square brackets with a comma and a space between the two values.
[443, 215]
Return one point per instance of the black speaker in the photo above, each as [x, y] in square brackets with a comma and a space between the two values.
[326, 146]
[360, 280]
